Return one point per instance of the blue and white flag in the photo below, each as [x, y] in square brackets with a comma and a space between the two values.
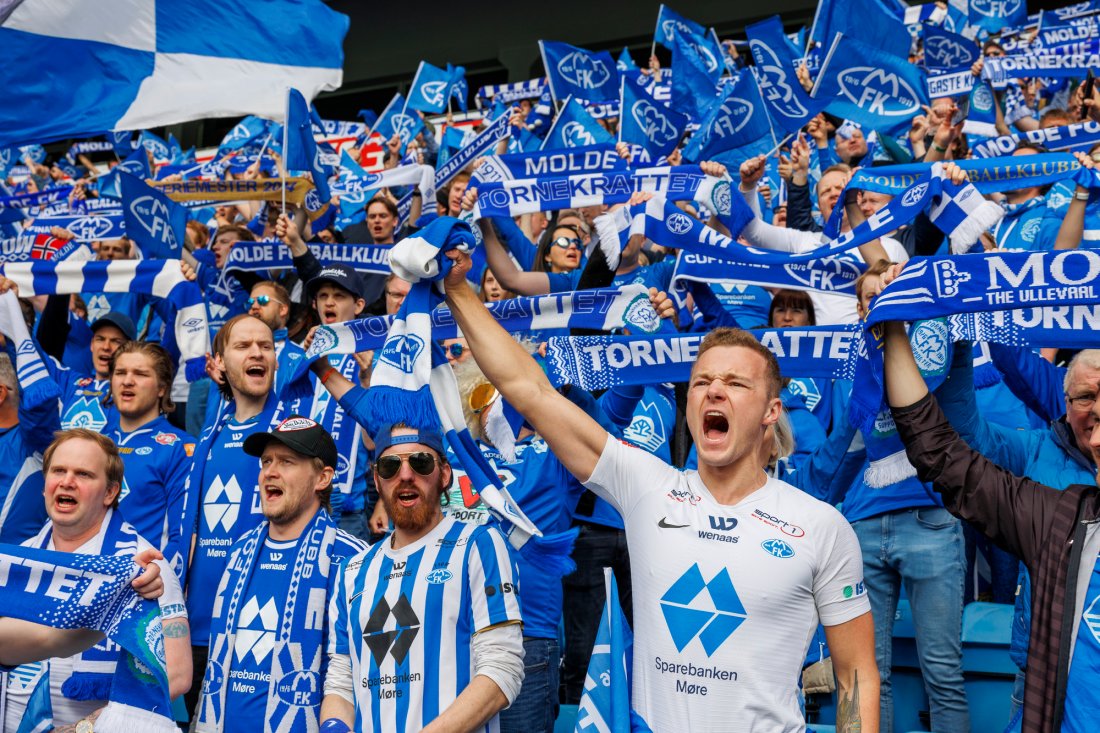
[146, 64]
[302, 152]
[91, 227]
[574, 128]
[739, 119]
[154, 222]
[694, 87]
[789, 106]
[396, 120]
[994, 15]
[944, 50]
[651, 128]
[251, 130]
[868, 86]
[625, 62]
[122, 141]
[571, 71]
[605, 702]
[877, 23]
[432, 87]
[671, 24]
[136, 164]
[511, 166]
[156, 146]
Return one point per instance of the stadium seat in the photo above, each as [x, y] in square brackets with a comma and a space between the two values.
[567, 719]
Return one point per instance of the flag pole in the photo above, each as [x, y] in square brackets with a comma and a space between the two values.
[282, 168]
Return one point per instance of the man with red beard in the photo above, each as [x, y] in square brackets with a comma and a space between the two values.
[426, 624]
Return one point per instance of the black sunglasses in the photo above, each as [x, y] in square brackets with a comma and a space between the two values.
[421, 461]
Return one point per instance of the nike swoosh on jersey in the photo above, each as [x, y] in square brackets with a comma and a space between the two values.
[663, 523]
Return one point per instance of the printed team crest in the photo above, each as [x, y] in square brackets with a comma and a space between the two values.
[736, 109]
[807, 390]
[647, 429]
[948, 278]
[433, 91]
[996, 8]
[401, 352]
[154, 217]
[913, 196]
[773, 82]
[576, 136]
[640, 315]
[948, 52]
[930, 342]
[1030, 230]
[90, 228]
[878, 91]
[720, 198]
[166, 438]
[584, 71]
[678, 223]
[300, 688]
[403, 125]
[655, 125]
[324, 340]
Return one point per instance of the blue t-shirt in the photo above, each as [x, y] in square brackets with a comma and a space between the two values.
[82, 398]
[157, 457]
[22, 509]
[229, 506]
[261, 609]
[1082, 692]
[749, 304]
[658, 275]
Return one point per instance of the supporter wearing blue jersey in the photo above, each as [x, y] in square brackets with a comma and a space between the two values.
[1029, 223]
[222, 498]
[270, 627]
[27, 424]
[156, 454]
[555, 266]
[726, 542]
[426, 624]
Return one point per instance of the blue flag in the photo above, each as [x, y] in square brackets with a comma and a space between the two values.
[302, 153]
[433, 86]
[877, 23]
[693, 86]
[571, 71]
[869, 86]
[136, 164]
[993, 15]
[739, 119]
[154, 222]
[671, 24]
[155, 145]
[396, 120]
[947, 51]
[460, 89]
[122, 141]
[605, 702]
[574, 128]
[626, 62]
[788, 103]
[651, 128]
[250, 131]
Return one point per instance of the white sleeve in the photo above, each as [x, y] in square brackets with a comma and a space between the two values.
[338, 677]
[624, 474]
[171, 602]
[839, 591]
[498, 655]
[760, 233]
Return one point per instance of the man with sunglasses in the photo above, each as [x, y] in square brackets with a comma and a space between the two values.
[426, 624]
[731, 569]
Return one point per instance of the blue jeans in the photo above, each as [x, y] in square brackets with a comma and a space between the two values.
[924, 549]
[535, 709]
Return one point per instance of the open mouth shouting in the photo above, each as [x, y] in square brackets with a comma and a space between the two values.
[715, 425]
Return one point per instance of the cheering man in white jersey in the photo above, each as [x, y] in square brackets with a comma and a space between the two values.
[731, 570]
[426, 624]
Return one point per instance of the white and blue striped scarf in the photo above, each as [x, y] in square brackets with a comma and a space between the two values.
[34, 378]
[161, 278]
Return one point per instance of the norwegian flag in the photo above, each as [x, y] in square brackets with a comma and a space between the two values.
[46, 246]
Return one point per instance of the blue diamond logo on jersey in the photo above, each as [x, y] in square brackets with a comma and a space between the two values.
[711, 617]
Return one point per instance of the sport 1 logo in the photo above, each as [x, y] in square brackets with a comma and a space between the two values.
[996, 8]
[678, 223]
[401, 352]
[90, 228]
[878, 91]
[153, 216]
[655, 125]
[432, 91]
[574, 135]
[773, 81]
[948, 52]
[583, 70]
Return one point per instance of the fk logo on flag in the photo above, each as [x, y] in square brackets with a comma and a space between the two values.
[433, 91]
[774, 83]
[879, 92]
[402, 351]
[653, 122]
[584, 71]
[996, 8]
[153, 215]
[576, 136]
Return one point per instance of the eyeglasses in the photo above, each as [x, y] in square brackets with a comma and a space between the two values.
[421, 461]
[1082, 402]
[262, 300]
[456, 350]
[481, 397]
[567, 242]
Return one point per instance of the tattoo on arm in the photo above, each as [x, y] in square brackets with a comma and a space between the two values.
[175, 629]
[847, 715]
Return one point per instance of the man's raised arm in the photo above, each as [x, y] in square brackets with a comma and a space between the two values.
[576, 439]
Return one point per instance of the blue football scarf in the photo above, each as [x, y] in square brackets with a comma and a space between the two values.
[264, 256]
[836, 275]
[34, 200]
[512, 166]
[413, 384]
[91, 227]
[1057, 62]
[31, 372]
[1079, 135]
[548, 193]
[294, 688]
[161, 278]
[93, 592]
[988, 176]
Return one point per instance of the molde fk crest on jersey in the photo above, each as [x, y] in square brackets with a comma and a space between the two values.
[654, 123]
[878, 91]
[774, 83]
[583, 70]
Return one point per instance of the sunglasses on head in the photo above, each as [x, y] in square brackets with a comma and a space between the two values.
[261, 299]
[421, 461]
[567, 242]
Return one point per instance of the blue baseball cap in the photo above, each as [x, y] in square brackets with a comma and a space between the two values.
[431, 438]
[121, 321]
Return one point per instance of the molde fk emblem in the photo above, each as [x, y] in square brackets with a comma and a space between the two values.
[655, 125]
[153, 215]
[433, 91]
[582, 70]
[878, 92]
[773, 82]
[401, 352]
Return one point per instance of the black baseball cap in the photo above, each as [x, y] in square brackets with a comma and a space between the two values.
[301, 435]
[341, 275]
[121, 321]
